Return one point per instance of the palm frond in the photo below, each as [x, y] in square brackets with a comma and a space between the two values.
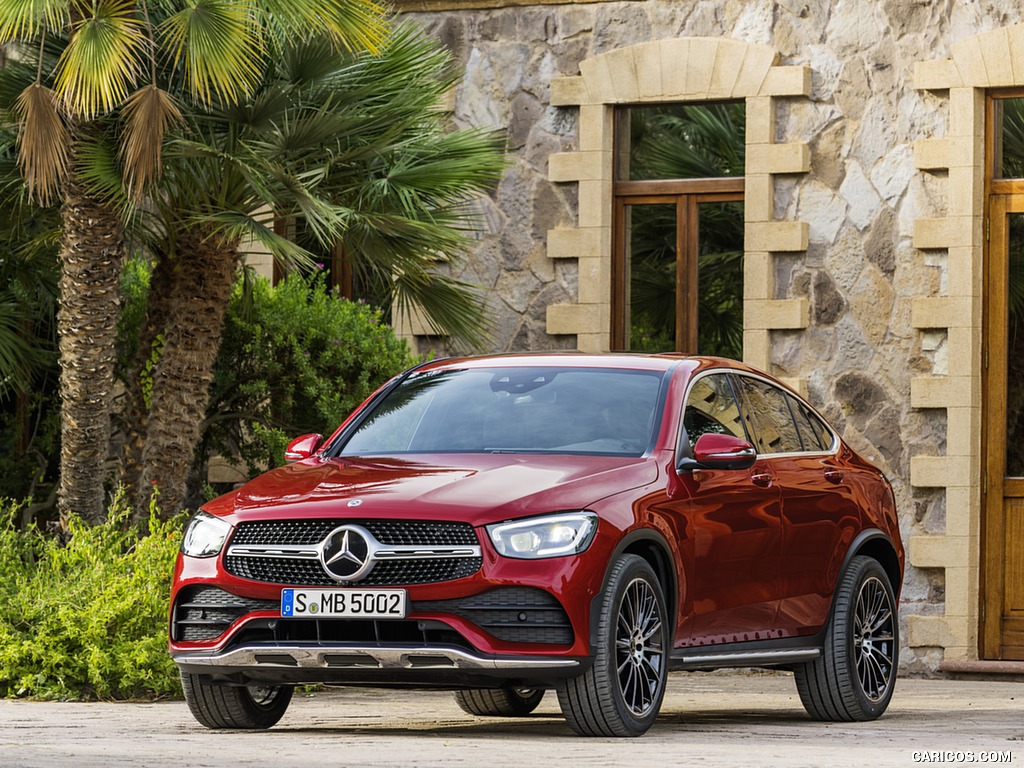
[102, 58]
[220, 46]
[44, 140]
[448, 305]
[25, 19]
[148, 114]
[248, 228]
[358, 25]
[100, 172]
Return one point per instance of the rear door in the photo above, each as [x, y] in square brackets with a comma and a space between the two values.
[819, 514]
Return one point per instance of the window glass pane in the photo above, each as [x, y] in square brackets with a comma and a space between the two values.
[1015, 347]
[650, 292]
[513, 410]
[720, 280]
[814, 434]
[711, 407]
[681, 141]
[768, 410]
[1009, 139]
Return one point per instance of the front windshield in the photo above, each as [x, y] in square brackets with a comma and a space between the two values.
[513, 410]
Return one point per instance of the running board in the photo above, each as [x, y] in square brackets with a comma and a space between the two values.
[688, 659]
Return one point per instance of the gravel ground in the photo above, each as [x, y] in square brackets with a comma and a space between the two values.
[707, 719]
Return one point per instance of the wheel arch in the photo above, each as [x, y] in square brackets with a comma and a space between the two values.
[876, 544]
[653, 547]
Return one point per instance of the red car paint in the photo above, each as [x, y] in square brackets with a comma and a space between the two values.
[748, 557]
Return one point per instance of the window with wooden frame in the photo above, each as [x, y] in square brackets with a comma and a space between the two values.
[678, 228]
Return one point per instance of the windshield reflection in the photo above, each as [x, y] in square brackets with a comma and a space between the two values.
[513, 410]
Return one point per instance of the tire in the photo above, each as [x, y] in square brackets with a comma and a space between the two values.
[621, 693]
[854, 678]
[219, 706]
[504, 702]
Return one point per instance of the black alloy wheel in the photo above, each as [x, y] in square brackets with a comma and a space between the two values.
[621, 693]
[854, 678]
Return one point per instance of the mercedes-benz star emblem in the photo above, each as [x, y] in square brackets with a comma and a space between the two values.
[345, 553]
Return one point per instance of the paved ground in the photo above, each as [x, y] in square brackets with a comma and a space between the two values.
[707, 719]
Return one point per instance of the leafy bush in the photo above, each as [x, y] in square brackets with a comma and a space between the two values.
[87, 619]
[295, 358]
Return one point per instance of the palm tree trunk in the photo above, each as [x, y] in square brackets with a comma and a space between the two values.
[204, 270]
[135, 415]
[91, 256]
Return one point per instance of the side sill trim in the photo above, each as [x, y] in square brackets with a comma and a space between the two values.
[746, 658]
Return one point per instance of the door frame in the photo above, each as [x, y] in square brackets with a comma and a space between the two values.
[996, 487]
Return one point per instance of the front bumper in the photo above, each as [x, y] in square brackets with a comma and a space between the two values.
[440, 667]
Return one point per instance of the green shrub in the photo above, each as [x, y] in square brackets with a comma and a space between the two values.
[295, 358]
[87, 619]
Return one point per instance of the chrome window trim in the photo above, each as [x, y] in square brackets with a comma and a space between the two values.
[832, 450]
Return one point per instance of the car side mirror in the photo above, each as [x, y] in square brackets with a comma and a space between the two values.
[716, 451]
[302, 447]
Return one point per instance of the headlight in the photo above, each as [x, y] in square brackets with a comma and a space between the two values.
[539, 537]
[205, 535]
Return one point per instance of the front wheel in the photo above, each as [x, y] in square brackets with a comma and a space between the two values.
[251, 707]
[621, 693]
[504, 702]
[856, 673]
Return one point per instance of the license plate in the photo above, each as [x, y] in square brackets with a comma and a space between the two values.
[344, 603]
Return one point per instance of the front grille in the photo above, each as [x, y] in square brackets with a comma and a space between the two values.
[512, 614]
[395, 571]
[203, 613]
[279, 570]
[394, 532]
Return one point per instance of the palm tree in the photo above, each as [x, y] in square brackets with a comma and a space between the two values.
[108, 56]
[357, 149]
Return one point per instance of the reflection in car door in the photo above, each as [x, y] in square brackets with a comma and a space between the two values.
[734, 520]
[818, 514]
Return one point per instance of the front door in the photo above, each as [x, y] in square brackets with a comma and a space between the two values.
[734, 520]
[1002, 608]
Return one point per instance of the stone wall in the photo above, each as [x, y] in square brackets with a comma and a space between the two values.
[861, 198]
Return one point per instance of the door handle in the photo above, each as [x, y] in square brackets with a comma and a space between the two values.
[834, 476]
[764, 481]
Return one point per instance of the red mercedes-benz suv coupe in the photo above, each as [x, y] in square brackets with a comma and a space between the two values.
[503, 526]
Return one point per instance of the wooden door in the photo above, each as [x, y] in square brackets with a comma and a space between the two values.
[1002, 608]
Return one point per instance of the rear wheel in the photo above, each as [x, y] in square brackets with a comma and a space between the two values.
[856, 673]
[250, 707]
[503, 702]
[621, 693]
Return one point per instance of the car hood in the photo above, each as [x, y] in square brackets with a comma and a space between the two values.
[479, 489]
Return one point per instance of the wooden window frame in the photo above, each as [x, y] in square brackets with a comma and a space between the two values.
[687, 195]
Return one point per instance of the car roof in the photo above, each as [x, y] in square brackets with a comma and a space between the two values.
[637, 361]
[616, 360]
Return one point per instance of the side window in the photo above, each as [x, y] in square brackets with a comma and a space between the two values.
[767, 408]
[815, 435]
[711, 407]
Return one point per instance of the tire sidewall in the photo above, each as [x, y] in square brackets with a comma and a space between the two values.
[862, 572]
[633, 567]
